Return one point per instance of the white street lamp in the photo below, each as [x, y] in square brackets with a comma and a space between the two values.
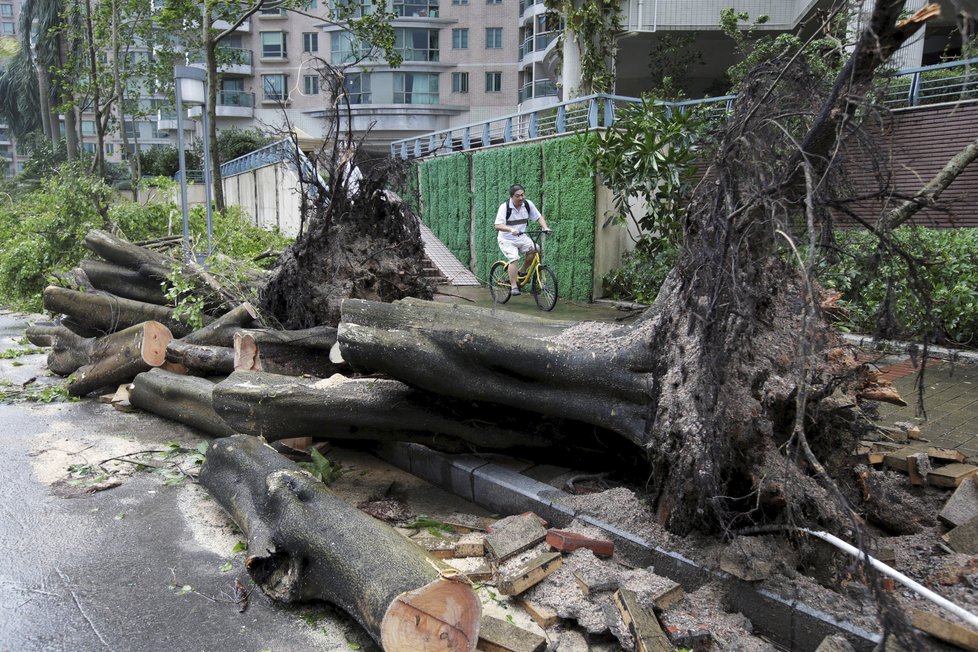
[191, 89]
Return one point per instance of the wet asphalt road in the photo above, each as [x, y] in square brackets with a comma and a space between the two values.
[104, 571]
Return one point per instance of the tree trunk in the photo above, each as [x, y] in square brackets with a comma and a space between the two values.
[123, 282]
[202, 359]
[108, 313]
[281, 407]
[185, 399]
[478, 354]
[220, 332]
[118, 251]
[119, 357]
[281, 358]
[304, 543]
[210, 50]
[69, 351]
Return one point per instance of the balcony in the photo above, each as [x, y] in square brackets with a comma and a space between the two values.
[232, 61]
[235, 104]
[528, 4]
[534, 48]
[537, 89]
[243, 28]
[166, 120]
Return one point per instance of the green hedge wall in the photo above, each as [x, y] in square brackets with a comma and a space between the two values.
[447, 202]
[569, 208]
[494, 171]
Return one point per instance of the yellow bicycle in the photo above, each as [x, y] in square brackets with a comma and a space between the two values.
[542, 280]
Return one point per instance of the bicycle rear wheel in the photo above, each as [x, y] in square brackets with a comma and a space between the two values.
[545, 288]
[499, 282]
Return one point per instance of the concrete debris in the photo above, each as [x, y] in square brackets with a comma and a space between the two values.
[964, 538]
[962, 506]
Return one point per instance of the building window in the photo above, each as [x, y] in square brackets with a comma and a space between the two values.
[273, 87]
[310, 42]
[460, 82]
[357, 85]
[494, 37]
[416, 8]
[416, 44]
[310, 84]
[273, 45]
[415, 88]
[346, 9]
[7, 11]
[494, 82]
[8, 29]
[460, 39]
[110, 148]
[494, 2]
[460, 2]
[272, 8]
[88, 127]
[89, 148]
[345, 48]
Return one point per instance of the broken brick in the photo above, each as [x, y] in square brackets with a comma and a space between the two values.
[567, 541]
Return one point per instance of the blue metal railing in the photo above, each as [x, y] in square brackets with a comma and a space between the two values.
[282, 151]
[591, 112]
[945, 82]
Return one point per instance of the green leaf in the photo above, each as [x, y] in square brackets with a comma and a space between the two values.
[226, 567]
[240, 546]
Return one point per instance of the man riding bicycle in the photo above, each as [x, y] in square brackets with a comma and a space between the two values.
[511, 220]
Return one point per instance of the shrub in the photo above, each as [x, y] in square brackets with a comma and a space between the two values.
[947, 270]
[642, 272]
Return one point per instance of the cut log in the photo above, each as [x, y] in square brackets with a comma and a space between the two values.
[305, 543]
[205, 360]
[123, 282]
[278, 358]
[69, 351]
[477, 354]
[185, 399]
[108, 313]
[279, 407]
[220, 332]
[117, 358]
[126, 254]
[320, 338]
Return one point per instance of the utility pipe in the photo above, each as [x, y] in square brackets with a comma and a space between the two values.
[920, 589]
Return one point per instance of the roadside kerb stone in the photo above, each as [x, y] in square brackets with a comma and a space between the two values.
[500, 490]
[452, 473]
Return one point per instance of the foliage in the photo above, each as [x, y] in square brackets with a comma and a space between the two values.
[34, 393]
[42, 231]
[234, 142]
[568, 204]
[164, 160]
[947, 264]
[321, 468]
[642, 271]
[595, 24]
[234, 235]
[447, 206]
[670, 59]
[824, 55]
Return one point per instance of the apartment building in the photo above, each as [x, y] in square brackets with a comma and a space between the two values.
[465, 61]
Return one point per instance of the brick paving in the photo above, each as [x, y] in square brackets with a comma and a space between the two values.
[449, 266]
[950, 418]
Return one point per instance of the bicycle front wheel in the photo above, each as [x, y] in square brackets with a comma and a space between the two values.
[545, 288]
[499, 282]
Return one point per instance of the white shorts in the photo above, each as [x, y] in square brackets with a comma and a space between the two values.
[513, 247]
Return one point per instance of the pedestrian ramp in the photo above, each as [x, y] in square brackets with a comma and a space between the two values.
[449, 267]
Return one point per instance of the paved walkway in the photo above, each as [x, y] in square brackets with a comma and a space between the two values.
[446, 262]
[950, 403]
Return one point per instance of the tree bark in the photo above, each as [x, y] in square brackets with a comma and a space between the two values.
[123, 282]
[119, 357]
[118, 251]
[476, 353]
[304, 543]
[220, 332]
[108, 313]
[372, 409]
[69, 351]
[185, 399]
[281, 358]
[200, 358]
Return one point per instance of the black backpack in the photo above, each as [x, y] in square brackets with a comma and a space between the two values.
[509, 209]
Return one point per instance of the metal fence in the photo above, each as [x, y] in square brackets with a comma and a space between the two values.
[282, 151]
[946, 82]
[590, 112]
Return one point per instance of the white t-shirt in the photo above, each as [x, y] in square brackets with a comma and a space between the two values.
[518, 218]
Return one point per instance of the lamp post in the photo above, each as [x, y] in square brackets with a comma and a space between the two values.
[190, 89]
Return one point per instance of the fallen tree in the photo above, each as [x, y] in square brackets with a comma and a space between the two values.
[184, 399]
[731, 382]
[120, 356]
[107, 313]
[363, 409]
[304, 543]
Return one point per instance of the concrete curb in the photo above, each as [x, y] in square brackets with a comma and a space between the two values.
[903, 348]
[792, 624]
